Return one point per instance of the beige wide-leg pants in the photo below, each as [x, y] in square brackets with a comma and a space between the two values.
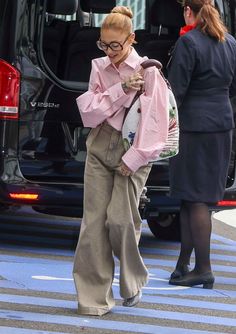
[111, 225]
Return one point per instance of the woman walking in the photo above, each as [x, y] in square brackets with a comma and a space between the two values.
[114, 178]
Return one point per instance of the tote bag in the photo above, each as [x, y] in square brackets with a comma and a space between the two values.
[132, 117]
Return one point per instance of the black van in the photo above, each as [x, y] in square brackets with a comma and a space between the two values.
[46, 47]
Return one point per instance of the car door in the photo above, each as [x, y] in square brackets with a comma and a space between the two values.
[51, 135]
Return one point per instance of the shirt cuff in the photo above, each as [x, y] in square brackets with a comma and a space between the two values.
[133, 159]
[116, 93]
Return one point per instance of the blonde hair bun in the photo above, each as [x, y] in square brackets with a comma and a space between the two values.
[119, 19]
[123, 10]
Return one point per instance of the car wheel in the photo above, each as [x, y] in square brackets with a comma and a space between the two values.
[166, 226]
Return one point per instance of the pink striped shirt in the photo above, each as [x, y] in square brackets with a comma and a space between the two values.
[105, 100]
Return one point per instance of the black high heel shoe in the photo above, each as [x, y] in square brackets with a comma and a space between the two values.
[206, 280]
[180, 270]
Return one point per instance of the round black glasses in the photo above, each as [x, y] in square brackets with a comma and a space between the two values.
[114, 46]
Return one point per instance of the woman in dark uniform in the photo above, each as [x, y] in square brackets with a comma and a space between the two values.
[202, 74]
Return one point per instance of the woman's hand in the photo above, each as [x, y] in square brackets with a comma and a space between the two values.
[135, 82]
[124, 170]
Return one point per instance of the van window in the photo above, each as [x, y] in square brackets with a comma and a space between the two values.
[227, 17]
[233, 16]
[66, 17]
[69, 42]
[224, 11]
[219, 6]
[138, 9]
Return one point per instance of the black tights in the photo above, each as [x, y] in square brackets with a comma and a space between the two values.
[195, 222]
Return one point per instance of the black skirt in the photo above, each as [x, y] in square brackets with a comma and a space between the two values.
[199, 172]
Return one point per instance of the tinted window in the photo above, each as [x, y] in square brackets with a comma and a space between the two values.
[138, 7]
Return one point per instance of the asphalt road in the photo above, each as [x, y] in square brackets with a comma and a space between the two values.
[37, 294]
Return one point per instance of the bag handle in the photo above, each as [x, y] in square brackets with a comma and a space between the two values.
[153, 62]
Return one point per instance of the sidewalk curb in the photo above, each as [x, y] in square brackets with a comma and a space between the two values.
[224, 222]
[225, 216]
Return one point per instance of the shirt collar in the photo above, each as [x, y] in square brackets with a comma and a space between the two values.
[187, 28]
[131, 60]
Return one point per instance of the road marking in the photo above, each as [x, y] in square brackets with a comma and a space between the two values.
[231, 247]
[53, 269]
[60, 303]
[116, 282]
[52, 278]
[97, 323]
[45, 275]
[223, 239]
[172, 252]
[25, 260]
[14, 330]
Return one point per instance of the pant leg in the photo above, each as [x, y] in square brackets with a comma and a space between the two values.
[106, 191]
[93, 263]
[124, 222]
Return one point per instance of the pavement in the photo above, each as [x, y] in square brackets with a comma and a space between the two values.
[224, 222]
[226, 216]
[37, 293]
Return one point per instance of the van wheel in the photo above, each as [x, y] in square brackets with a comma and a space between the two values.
[166, 226]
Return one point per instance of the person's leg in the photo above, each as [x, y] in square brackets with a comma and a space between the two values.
[93, 263]
[124, 223]
[200, 224]
[186, 247]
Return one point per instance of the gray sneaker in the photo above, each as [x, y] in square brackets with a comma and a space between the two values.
[132, 301]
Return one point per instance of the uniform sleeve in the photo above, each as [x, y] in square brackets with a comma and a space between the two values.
[96, 105]
[181, 68]
[153, 126]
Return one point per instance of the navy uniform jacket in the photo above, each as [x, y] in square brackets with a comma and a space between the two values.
[202, 74]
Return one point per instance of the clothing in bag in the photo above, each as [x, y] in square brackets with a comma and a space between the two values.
[132, 117]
